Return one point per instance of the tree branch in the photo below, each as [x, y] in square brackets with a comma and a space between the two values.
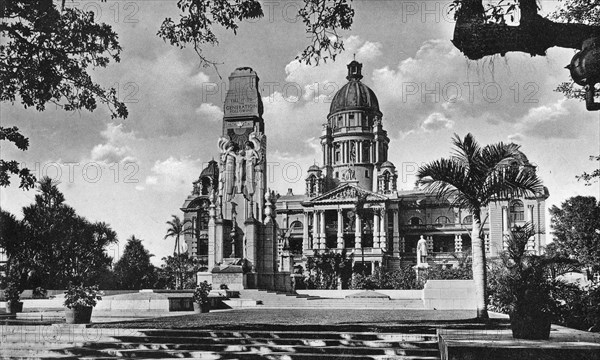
[477, 38]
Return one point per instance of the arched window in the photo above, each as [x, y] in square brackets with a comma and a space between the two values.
[517, 211]
[415, 221]
[468, 220]
[442, 220]
[296, 225]
[386, 181]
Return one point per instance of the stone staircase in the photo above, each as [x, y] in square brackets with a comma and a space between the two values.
[88, 343]
[281, 300]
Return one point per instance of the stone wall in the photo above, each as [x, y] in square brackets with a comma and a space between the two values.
[449, 294]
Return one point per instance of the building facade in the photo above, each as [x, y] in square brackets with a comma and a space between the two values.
[351, 202]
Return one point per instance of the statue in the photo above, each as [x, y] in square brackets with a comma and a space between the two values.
[422, 252]
[252, 157]
[239, 170]
[227, 164]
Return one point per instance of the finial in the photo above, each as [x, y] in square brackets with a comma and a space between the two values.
[354, 56]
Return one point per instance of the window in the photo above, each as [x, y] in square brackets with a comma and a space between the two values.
[193, 225]
[468, 220]
[415, 221]
[296, 225]
[203, 223]
[517, 211]
[337, 174]
[367, 174]
[442, 220]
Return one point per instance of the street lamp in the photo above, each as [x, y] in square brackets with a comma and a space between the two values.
[585, 70]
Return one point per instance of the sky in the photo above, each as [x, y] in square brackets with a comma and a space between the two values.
[135, 173]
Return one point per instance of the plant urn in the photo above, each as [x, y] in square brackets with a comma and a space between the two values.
[530, 325]
[78, 315]
[13, 307]
[201, 308]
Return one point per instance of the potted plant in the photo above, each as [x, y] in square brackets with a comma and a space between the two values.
[522, 287]
[79, 302]
[201, 302]
[12, 293]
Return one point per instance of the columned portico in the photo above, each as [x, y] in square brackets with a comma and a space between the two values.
[376, 223]
[322, 235]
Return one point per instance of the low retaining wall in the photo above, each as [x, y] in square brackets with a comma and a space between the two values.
[341, 294]
[449, 295]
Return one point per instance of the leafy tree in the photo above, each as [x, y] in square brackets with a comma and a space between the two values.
[177, 229]
[60, 246]
[473, 178]
[44, 59]
[576, 225]
[134, 269]
[178, 269]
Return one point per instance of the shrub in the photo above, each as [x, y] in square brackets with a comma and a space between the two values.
[79, 296]
[39, 293]
[12, 292]
[201, 293]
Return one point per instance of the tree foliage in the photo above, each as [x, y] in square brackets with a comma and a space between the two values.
[134, 269]
[45, 58]
[328, 270]
[322, 20]
[58, 246]
[592, 177]
[576, 225]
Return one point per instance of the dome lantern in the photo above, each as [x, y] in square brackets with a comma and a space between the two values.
[354, 71]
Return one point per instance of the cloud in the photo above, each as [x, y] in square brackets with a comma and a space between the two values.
[436, 121]
[173, 174]
[210, 112]
[551, 121]
[116, 149]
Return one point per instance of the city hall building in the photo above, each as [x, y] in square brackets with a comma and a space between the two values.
[252, 238]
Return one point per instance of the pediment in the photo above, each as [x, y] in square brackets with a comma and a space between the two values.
[348, 193]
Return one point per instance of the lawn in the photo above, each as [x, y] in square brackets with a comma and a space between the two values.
[315, 319]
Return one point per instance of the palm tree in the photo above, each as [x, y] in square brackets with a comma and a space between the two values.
[176, 229]
[472, 178]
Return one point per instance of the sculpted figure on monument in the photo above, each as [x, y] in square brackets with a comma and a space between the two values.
[239, 170]
[252, 158]
[227, 165]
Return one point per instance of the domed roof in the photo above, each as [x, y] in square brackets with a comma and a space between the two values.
[354, 95]
[388, 164]
[211, 170]
[314, 168]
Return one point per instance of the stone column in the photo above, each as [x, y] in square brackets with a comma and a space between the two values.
[315, 244]
[359, 151]
[396, 235]
[323, 240]
[457, 243]
[376, 221]
[305, 238]
[340, 229]
[358, 232]
[402, 244]
[383, 229]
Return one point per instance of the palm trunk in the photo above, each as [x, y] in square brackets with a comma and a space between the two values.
[180, 287]
[479, 274]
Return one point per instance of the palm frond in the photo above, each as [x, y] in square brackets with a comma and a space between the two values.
[510, 182]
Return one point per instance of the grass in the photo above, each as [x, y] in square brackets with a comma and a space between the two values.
[316, 320]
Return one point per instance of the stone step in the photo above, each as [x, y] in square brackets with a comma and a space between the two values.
[321, 335]
[260, 348]
[429, 344]
[244, 352]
